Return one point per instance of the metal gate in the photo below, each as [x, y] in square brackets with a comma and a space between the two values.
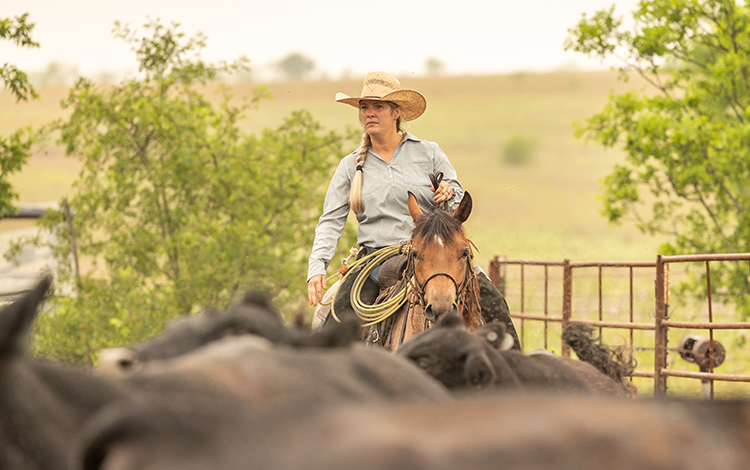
[648, 325]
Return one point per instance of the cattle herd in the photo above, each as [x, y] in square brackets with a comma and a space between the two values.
[240, 389]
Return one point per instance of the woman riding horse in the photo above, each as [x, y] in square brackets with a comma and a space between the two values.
[395, 162]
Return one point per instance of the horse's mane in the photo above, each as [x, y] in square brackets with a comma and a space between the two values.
[437, 222]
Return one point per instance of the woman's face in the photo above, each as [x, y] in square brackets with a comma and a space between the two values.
[377, 117]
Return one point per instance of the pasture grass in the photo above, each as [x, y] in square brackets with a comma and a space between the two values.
[546, 209]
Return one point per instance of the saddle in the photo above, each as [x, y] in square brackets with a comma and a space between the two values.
[391, 272]
[390, 281]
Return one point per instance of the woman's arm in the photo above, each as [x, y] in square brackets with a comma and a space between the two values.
[332, 222]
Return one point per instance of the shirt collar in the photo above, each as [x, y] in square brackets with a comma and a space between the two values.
[410, 137]
[407, 136]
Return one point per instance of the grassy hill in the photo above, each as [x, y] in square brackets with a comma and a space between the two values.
[545, 209]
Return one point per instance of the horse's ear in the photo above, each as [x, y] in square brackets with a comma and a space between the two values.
[464, 208]
[414, 209]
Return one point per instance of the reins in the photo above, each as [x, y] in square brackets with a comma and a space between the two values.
[435, 180]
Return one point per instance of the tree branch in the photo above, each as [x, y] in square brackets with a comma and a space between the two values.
[727, 244]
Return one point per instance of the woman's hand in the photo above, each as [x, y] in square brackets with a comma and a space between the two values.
[315, 287]
[444, 192]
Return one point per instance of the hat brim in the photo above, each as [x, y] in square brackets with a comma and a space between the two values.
[412, 103]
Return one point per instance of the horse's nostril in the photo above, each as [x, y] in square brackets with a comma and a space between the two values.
[429, 313]
[125, 364]
[438, 308]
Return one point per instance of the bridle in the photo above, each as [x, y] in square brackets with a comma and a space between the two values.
[460, 289]
[469, 273]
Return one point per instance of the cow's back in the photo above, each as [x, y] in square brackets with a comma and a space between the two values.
[264, 374]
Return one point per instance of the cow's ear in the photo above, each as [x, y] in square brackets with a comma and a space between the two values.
[496, 334]
[334, 335]
[16, 318]
[463, 210]
[256, 298]
[450, 320]
[479, 372]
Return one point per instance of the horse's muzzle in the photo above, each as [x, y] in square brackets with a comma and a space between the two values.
[435, 310]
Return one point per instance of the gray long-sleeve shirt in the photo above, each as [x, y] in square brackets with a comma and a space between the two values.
[385, 218]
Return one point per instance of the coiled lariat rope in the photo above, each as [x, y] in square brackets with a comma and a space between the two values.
[376, 313]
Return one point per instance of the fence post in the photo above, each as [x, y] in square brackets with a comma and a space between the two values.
[494, 272]
[497, 274]
[73, 244]
[567, 307]
[660, 331]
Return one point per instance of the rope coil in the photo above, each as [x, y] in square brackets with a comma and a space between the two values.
[376, 313]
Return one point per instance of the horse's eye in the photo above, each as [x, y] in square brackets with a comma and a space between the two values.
[465, 254]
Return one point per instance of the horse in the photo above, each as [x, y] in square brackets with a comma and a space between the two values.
[438, 276]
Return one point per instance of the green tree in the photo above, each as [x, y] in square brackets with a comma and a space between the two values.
[686, 138]
[518, 150]
[296, 66]
[434, 67]
[176, 208]
[18, 31]
[16, 148]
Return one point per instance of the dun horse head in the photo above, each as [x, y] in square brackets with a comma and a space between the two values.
[442, 262]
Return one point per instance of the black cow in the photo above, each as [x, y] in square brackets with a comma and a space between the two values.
[617, 363]
[254, 315]
[265, 374]
[249, 351]
[463, 360]
[511, 431]
[41, 404]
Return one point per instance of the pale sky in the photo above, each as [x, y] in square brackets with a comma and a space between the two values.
[398, 36]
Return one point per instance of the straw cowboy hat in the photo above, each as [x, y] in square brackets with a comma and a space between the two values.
[385, 87]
